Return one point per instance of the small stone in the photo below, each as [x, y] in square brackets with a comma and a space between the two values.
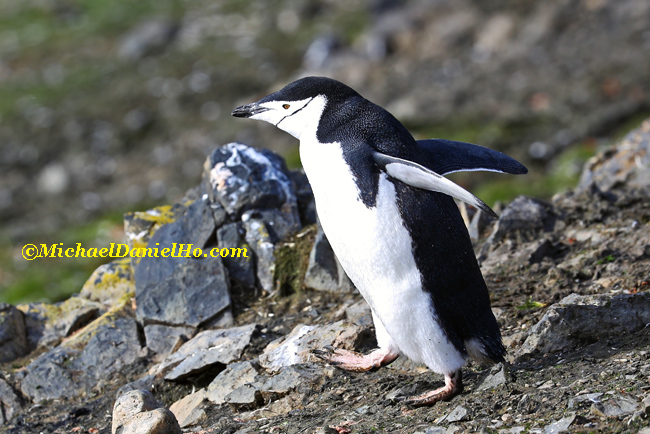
[13, 337]
[158, 421]
[10, 405]
[245, 396]
[234, 376]
[587, 397]
[436, 430]
[208, 348]
[496, 378]
[130, 404]
[458, 414]
[296, 347]
[164, 340]
[561, 425]
[190, 409]
[289, 379]
[616, 406]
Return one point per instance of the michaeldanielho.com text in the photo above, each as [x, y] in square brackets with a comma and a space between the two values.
[116, 250]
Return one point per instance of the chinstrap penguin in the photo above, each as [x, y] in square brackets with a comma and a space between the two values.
[388, 213]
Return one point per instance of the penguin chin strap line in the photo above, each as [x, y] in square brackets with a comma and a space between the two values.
[310, 100]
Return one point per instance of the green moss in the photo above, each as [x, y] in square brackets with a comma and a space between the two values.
[530, 304]
[160, 215]
[291, 261]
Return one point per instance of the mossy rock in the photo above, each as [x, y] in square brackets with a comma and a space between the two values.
[110, 282]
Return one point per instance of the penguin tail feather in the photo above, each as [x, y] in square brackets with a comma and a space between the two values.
[485, 351]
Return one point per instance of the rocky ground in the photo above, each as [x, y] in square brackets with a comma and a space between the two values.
[201, 344]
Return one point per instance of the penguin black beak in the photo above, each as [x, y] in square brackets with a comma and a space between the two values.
[248, 110]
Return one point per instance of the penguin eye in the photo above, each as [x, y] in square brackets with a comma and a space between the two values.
[285, 106]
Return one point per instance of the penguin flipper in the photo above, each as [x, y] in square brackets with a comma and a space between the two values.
[419, 176]
[447, 156]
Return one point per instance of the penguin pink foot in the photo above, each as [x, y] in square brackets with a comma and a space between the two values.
[453, 386]
[356, 362]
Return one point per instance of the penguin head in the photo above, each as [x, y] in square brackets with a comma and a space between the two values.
[298, 107]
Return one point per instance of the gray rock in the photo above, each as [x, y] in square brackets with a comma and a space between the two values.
[436, 430]
[359, 313]
[627, 163]
[296, 347]
[234, 376]
[131, 403]
[243, 178]
[479, 223]
[251, 389]
[259, 239]
[208, 348]
[138, 412]
[190, 409]
[47, 324]
[571, 321]
[10, 404]
[164, 340]
[524, 218]
[587, 397]
[13, 337]
[245, 396]
[305, 197]
[615, 406]
[179, 290]
[146, 38]
[48, 377]
[66, 371]
[561, 425]
[199, 221]
[112, 347]
[290, 378]
[324, 273]
[241, 269]
[143, 383]
[459, 413]
[158, 421]
[498, 376]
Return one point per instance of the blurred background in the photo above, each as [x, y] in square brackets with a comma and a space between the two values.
[109, 106]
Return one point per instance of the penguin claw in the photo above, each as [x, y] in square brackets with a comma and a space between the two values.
[353, 361]
[453, 386]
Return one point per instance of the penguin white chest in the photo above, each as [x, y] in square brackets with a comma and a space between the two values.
[376, 251]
